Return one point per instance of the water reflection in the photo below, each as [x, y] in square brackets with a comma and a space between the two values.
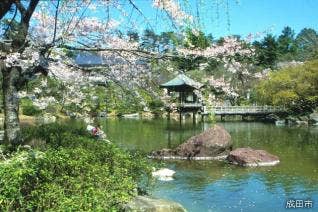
[218, 186]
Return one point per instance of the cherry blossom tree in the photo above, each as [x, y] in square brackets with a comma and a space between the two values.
[38, 34]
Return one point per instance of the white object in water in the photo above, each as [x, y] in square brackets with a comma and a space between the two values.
[164, 174]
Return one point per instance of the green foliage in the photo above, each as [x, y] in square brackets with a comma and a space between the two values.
[307, 43]
[130, 106]
[287, 47]
[55, 134]
[156, 42]
[52, 88]
[122, 101]
[52, 108]
[79, 174]
[150, 40]
[156, 106]
[11, 29]
[95, 99]
[294, 87]
[267, 51]
[28, 108]
[198, 39]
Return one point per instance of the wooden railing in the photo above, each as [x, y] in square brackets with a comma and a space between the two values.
[227, 110]
[232, 110]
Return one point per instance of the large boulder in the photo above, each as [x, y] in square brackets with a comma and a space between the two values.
[150, 204]
[250, 157]
[213, 143]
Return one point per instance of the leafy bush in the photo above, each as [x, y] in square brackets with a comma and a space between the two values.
[56, 135]
[156, 106]
[53, 109]
[28, 108]
[294, 87]
[78, 173]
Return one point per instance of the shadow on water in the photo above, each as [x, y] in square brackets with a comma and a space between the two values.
[218, 186]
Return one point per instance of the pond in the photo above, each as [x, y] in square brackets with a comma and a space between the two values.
[218, 186]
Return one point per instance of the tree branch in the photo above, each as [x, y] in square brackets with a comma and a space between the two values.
[139, 11]
[12, 19]
[55, 20]
[20, 7]
[5, 7]
[28, 13]
[138, 52]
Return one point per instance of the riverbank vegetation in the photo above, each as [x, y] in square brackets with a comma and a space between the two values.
[64, 168]
[296, 88]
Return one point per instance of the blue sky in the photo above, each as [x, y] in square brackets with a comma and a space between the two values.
[246, 16]
[226, 17]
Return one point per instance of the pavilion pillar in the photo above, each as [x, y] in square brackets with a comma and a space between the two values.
[169, 138]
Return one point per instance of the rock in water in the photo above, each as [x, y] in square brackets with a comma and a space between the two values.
[164, 174]
[150, 204]
[251, 157]
[213, 142]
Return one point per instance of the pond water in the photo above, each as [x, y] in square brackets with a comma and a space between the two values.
[218, 186]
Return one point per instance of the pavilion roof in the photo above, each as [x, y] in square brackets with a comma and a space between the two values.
[181, 81]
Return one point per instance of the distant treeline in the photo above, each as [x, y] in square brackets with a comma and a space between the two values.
[286, 46]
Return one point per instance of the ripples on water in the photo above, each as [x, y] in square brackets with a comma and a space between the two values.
[217, 186]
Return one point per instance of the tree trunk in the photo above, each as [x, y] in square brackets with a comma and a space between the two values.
[12, 131]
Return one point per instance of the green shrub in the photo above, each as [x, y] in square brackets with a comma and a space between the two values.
[80, 174]
[56, 134]
[156, 104]
[53, 109]
[28, 108]
[296, 88]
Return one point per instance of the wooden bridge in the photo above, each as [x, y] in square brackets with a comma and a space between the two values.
[242, 110]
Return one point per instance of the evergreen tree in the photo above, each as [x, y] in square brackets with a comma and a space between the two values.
[267, 51]
[287, 47]
[307, 42]
[150, 40]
